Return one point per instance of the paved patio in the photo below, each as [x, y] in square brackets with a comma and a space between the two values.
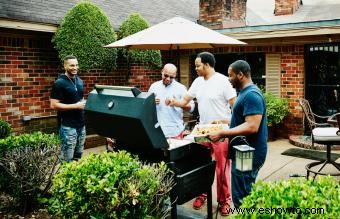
[276, 167]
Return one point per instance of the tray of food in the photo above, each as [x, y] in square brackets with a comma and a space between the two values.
[201, 131]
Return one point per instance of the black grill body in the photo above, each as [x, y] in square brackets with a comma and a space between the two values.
[129, 116]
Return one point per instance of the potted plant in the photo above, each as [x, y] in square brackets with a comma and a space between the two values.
[277, 110]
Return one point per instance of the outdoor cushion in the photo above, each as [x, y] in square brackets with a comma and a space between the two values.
[327, 134]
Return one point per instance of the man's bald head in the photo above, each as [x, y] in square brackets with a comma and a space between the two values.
[169, 72]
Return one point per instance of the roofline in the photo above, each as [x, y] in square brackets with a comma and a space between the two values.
[24, 25]
[241, 33]
[283, 30]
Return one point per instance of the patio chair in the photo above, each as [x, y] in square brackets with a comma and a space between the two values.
[327, 136]
[310, 116]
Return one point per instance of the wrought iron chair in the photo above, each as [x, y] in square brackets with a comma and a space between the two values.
[327, 136]
[310, 116]
[322, 133]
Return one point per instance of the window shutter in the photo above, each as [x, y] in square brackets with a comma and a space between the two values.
[273, 76]
[184, 68]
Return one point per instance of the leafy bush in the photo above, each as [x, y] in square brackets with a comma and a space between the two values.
[303, 198]
[27, 162]
[5, 129]
[277, 108]
[111, 185]
[133, 24]
[83, 33]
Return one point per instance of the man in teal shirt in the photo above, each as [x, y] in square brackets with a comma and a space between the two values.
[248, 119]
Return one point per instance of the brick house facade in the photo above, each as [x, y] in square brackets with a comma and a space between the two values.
[29, 63]
[28, 67]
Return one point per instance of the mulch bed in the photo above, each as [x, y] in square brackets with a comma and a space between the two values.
[6, 214]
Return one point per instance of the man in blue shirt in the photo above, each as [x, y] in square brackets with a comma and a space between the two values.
[248, 119]
[170, 118]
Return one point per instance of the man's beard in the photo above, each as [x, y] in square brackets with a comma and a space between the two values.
[236, 84]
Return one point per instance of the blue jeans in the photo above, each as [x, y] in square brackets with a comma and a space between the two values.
[72, 142]
[241, 183]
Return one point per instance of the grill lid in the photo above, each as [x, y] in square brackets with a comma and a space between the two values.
[126, 114]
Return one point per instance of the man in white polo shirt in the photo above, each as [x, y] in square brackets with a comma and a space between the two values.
[170, 118]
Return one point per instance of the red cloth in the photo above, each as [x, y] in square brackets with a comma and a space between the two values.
[180, 136]
[219, 154]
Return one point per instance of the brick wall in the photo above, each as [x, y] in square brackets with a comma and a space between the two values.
[292, 85]
[28, 67]
[218, 14]
[286, 7]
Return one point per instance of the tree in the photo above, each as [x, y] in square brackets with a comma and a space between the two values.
[133, 24]
[83, 32]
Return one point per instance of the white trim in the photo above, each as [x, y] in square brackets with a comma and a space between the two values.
[285, 33]
[28, 26]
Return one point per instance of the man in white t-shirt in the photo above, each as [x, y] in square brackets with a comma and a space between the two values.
[214, 95]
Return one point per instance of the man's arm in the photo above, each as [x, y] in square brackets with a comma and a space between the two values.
[179, 103]
[187, 108]
[232, 101]
[250, 126]
[57, 105]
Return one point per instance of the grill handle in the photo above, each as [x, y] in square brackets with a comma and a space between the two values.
[99, 88]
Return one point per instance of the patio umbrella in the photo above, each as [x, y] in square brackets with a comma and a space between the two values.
[175, 34]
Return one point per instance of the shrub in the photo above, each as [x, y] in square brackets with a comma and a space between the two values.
[133, 24]
[110, 185]
[5, 129]
[277, 108]
[27, 162]
[319, 198]
[83, 33]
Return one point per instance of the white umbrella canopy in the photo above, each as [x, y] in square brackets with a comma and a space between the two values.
[174, 34]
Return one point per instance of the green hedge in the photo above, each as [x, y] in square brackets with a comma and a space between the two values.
[133, 24]
[111, 185]
[303, 198]
[83, 32]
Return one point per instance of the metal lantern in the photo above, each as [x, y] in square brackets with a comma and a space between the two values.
[244, 157]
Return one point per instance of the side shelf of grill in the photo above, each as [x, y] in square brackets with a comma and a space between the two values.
[195, 182]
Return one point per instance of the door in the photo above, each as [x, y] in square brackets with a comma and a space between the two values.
[322, 64]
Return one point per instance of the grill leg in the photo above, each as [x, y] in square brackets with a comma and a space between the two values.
[173, 204]
[209, 203]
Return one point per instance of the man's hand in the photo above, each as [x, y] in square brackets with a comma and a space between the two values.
[215, 136]
[81, 104]
[170, 101]
[157, 101]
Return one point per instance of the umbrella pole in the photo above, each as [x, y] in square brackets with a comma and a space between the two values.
[178, 65]
[129, 68]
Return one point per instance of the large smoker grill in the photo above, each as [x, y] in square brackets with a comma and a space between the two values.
[129, 116]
